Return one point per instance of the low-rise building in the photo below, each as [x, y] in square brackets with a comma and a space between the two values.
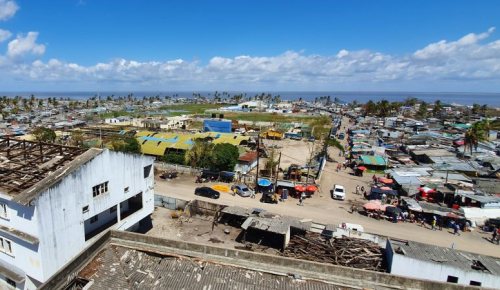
[423, 261]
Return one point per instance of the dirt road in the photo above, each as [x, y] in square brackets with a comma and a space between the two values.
[322, 209]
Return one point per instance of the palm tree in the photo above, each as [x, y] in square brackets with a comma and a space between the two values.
[438, 107]
[476, 133]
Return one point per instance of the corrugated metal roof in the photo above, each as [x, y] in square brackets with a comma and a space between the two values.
[373, 160]
[446, 256]
[154, 143]
[124, 268]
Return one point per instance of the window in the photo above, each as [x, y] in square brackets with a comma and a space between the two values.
[452, 279]
[147, 170]
[112, 209]
[6, 246]
[3, 210]
[475, 283]
[100, 189]
[126, 189]
[10, 282]
[85, 209]
[94, 219]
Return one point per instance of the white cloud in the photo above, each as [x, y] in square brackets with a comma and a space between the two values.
[4, 35]
[8, 9]
[469, 61]
[25, 45]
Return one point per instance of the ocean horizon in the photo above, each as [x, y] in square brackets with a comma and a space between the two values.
[462, 98]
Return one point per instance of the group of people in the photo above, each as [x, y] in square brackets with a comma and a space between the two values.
[360, 189]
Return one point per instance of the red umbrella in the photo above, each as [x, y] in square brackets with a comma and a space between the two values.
[311, 188]
[371, 206]
[362, 168]
[385, 180]
[300, 187]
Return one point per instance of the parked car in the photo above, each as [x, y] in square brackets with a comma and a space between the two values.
[338, 192]
[242, 190]
[298, 138]
[207, 192]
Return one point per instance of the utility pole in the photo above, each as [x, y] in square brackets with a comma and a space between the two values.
[257, 175]
[277, 171]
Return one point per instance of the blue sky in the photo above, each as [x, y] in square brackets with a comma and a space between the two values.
[250, 45]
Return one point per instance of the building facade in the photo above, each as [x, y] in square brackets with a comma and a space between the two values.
[46, 224]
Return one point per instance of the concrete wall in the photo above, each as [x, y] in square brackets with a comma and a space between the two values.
[410, 267]
[25, 256]
[59, 209]
[170, 202]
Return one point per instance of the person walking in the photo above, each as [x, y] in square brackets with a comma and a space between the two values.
[357, 189]
[456, 229]
[301, 199]
[433, 223]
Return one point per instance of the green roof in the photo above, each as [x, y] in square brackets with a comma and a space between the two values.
[373, 160]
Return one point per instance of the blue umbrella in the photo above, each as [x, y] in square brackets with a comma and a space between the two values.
[264, 182]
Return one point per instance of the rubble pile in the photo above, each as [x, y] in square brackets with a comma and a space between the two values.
[344, 251]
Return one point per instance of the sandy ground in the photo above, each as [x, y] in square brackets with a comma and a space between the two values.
[322, 209]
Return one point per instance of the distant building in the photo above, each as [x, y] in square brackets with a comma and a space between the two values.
[56, 200]
[217, 125]
[422, 261]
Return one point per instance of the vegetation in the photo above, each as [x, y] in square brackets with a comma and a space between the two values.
[126, 145]
[217, 157]
[174, 157]
[42, 134]
[272, 163]
[269, 117]
[476, 133]
[184, 109]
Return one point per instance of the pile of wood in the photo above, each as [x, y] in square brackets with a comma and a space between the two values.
[349, 252]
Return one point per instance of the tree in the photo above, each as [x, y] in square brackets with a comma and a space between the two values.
[422, 111]
[383, 108]
[476, 108]
[174, 157]
[438, 107]
[476, 133]
[271, 163]
[224, 157]
[42, 134]
[199, 156]
[126, 145]
[370, 108]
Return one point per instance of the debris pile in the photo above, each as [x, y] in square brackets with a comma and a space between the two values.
[344, 251]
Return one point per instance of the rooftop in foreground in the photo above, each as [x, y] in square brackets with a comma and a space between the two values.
[124, 260]
[28, 167]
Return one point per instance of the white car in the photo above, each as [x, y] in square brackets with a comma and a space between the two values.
[338, 192]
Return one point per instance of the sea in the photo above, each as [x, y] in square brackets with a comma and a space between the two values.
[454, 98]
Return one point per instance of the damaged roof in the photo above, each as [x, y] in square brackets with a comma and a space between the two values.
[446, 256]
[27, 168]
[125, 268]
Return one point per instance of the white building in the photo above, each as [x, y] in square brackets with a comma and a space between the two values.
[56, 200]
[422, 261]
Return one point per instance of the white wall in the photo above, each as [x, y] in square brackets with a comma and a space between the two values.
[59, 209]
[24, 255]
[414, 268]
[480, 215]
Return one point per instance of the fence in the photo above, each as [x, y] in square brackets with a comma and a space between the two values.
[182, 169]
[170, 202]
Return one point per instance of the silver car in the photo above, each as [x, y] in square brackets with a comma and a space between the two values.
[242, 190]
